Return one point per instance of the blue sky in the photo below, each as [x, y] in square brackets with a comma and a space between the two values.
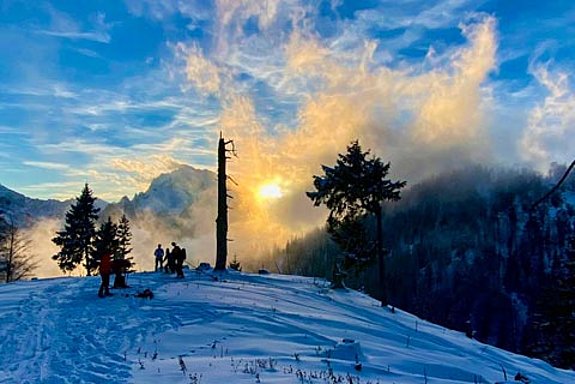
[116, 92]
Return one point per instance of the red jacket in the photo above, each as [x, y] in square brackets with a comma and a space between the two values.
[105, 265]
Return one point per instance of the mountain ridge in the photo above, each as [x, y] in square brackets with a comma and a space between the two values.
[170, 194]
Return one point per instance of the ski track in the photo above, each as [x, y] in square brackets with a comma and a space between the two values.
[92, 348]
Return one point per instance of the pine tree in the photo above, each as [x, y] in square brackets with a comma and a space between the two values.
[105, 242]
[124, 241]
[77, 237]
[355, 187]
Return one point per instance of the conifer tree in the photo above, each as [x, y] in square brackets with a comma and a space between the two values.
[124, 240]
[77, 237]
[105, 242]
[355, 187]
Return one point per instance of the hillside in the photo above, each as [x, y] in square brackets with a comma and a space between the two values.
[466, 250]
[231, 330]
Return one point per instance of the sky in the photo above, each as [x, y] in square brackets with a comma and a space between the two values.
[114, 93]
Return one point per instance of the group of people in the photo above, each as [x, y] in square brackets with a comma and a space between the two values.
[174, 259]
[167, 261]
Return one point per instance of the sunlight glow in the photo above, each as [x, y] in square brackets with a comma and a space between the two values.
[270, 191]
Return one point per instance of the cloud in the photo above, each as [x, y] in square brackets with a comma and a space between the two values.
[146, 169]
[201, 73]
[450, 111]
[64, 26]
[92, 36]
[550, 133]
[420, 120]
[47, 165]
[58, 190]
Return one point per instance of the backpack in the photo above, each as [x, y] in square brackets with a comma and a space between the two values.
[183, 254]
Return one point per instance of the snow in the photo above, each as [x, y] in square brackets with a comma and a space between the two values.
[233, 328]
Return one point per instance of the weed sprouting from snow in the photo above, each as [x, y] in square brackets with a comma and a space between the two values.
[195, 378]
[250, 369]
[183, 367]
[256, 367]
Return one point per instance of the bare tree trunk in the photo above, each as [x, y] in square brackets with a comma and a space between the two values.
[381, 256]
[222, 219]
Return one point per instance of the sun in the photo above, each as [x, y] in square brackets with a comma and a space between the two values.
[270, 191]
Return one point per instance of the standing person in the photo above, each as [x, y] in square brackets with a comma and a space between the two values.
[169, 262]
[181, 259]
[173, 261]
[159, 253]
[178, 257]
[105, 269]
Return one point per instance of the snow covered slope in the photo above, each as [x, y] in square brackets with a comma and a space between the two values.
[237, 329]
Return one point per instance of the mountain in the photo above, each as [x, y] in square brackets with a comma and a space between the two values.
[169, 196]
[235, 328]
[171, 193]
[24, 210]
[178, 204]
